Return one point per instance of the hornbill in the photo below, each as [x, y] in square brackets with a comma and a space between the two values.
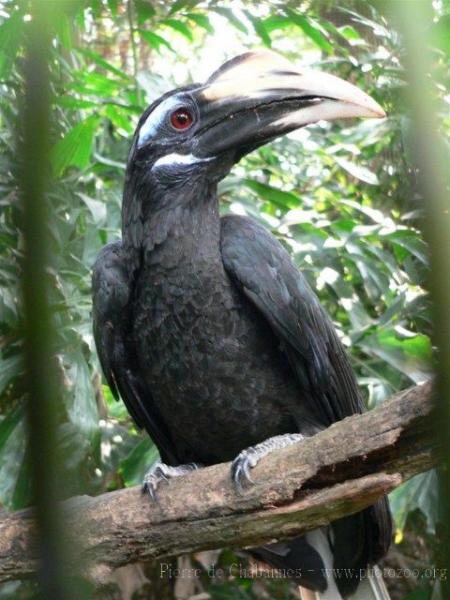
[204, 325]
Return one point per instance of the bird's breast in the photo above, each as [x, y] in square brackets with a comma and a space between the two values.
[211, 361]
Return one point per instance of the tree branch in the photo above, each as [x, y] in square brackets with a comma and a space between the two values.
[333, 474]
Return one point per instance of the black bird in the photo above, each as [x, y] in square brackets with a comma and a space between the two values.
[205, 326]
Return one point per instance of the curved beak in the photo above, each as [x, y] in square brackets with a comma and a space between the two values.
[260, 95]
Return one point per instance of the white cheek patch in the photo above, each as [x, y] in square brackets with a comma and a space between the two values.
[179, 159]
[155, 119]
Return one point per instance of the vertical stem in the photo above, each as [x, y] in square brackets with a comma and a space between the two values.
[433, 169]
[130, 15]
[38, 334]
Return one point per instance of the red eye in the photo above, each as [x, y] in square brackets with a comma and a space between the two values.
[181, 118]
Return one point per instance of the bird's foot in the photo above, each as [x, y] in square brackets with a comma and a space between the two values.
[249, 458]
[161, 472]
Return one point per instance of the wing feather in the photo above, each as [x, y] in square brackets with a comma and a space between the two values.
[264, 270]
[111, 293]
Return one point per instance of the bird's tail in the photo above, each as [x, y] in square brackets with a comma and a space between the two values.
[371, 586]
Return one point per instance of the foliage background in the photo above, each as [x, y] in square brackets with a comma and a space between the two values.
[341, 196]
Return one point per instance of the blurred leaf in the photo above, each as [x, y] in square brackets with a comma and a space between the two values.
[258, 26]
[12, 451]
[439, 34]
[201, 20]
[97, 208]
[180, 5]
[419, 492]
[180, 27]
[272, 194]
[276, 22]
[76, 147]
[231, 17]
[116, 408]
[411, 356]
[155, 40]
[9, 423]
[80, 407]
[9, 368]
[138, 462]
[311, 29]
[358, 171]
[101, 62]
[10, 40]
[144, 10]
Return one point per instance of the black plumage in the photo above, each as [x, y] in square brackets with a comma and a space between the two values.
[204, 325]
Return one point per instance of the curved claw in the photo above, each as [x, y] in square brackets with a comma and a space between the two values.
[152, 481]
[160, 473]
[240, 470]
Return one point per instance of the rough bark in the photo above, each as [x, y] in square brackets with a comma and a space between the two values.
[335, 473]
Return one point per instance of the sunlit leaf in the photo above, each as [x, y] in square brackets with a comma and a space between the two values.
[358, 171]
[96, 58]
[276, 22]
[10, 40]
[272, 194]
[411, 356]
[76, 147]
[201, 20]
[258, 26]
[156, 41]
[311, 29]
[231, 17]
[180, 27]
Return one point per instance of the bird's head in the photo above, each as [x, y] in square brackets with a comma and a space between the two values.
[203, 129]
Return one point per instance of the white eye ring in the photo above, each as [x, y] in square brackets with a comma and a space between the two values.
[156, 119]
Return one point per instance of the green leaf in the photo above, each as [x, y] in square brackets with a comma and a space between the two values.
[96, 208]
[439, 34]
[258, 26]
[76, 147]
[75, 103]
[144, 10]
[276, 22]
[419, 492]
[101, 62]
[279, 197]
[201, 20]
[349, 33]
[138, 462]
[113, 6]
[311, 29]
[10, 41]
[79, 394]
[155, 40]
[9, 423]
[116, 408]
[9, 369]
[358, 171]
[97, 84]
[12, 454]
[231, 17]
[180, 27]
[410, 355]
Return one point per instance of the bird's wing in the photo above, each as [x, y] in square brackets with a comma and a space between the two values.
[111, 293]
[263, 269]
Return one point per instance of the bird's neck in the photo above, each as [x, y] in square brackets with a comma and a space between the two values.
[185, 229]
